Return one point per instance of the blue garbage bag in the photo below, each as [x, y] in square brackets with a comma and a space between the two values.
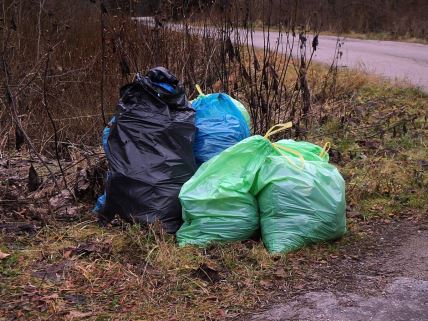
[101, 201]
[106, 134]
[99, 205]
[219, 125]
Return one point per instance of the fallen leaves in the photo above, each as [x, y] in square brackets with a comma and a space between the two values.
[87, 248]
[54, 272]
[3, 255]
[76, 315]
[53, 296]
[18, 228]
[266, 284]
[63, 205]
[280, 273]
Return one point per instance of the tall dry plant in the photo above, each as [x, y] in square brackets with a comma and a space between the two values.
[61, 77]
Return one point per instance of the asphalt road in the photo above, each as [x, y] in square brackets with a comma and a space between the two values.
[391, 59]
[397, 61]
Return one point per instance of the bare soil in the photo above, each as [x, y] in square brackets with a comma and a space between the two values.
[389, 282]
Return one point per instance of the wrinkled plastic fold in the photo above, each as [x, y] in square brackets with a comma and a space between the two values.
[217, 203]
[220, 123]
[253, 185]
[150, 151]
[300, 206]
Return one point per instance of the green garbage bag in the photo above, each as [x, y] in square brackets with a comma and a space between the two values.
[216, 201]
[307, 150]
[300, 202]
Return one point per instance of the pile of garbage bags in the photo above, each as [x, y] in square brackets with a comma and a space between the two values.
[195, 168]
[153, 142]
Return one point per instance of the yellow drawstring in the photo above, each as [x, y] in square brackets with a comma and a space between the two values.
[199, 90]
[325, 149]
[281, 149]
[278, 128]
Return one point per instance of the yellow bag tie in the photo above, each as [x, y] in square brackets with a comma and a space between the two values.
[281, 149]
[278, 128]
[325, 149]
[199, 90]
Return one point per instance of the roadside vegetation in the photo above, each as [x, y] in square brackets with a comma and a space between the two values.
[382, 36]
[62, 84]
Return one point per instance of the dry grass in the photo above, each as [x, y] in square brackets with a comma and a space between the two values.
[135, 277]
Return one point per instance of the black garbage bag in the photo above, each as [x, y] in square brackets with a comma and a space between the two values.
[151, 151]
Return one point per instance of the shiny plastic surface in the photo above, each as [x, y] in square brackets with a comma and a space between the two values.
[219, 125]
[217, 203]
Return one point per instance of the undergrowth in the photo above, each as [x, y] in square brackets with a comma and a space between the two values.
[77, 270]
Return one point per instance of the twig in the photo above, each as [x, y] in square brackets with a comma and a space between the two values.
[103, 59]
[12, 106]
[39, 26]
[45, 104]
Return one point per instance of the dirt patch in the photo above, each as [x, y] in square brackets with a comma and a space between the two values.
[411, 258]
[404, 299]
[389, 283]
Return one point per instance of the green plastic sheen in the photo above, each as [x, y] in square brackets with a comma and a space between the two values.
[299, 206]
[308, 150]
[216, 201]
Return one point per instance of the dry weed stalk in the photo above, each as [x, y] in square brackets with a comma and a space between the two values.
[213, 46]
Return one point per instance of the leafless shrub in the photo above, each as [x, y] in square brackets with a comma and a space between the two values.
[84, 64]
